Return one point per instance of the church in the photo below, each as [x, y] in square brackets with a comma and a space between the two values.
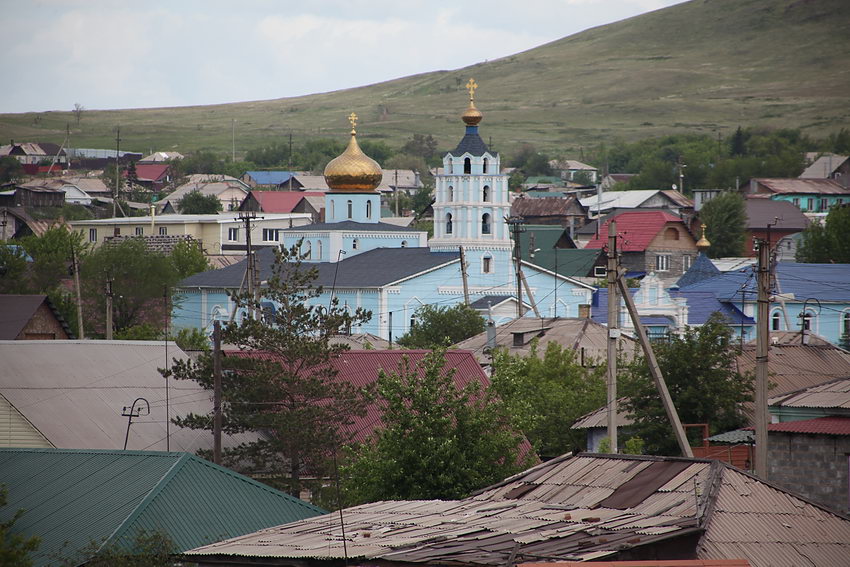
[392, 271]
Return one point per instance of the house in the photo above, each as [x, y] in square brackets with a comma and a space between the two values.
[16, 222]
[583, 335]
[581, 507]
[611, 180]
[569, 168]
[275, 180]
[775, 222]
[159, 157]
[32, 196]
[551, 247]
[229, 191]
[809, 195]
[35, 153]
[88, 383]
[220, 233]
[310, 202]
[650, 241]
[31, 317]
[72, 193]
[607, 201]
[78, 501]
[565, 211]
[829, 166]
[153, 176]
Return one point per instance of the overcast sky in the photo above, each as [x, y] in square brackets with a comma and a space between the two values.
[120, 54]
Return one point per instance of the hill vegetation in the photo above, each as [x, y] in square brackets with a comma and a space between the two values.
[701, 67]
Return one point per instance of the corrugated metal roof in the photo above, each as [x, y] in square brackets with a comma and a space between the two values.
[779, 215]
[75, 497]
[282, 201]
[637, 229]
[834, 394]
[803, 186]
[824, 166]
[832, 425]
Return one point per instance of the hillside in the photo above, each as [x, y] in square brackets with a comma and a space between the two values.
[703, 66]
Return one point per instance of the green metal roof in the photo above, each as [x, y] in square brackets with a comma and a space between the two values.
[73, 497]
[570, 262]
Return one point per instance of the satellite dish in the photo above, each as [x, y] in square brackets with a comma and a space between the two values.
[675, 187]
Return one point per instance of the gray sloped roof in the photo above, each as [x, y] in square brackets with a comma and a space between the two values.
[471, 143]
[702, 269]
[374, 268]
[353, 226]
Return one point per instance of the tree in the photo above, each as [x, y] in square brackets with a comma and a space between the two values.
[546, 392]
[700, 371]
[725, 219]
[424, 146]
[437, 441]
[827, 242]
[530, 161]
[146, 549]
[15, 548]
[10, 169]
[188, 258]
[78, 111]
[51, 254]
[738, 143]
[284, 386]
[196, 203]
[439, 325]
[13, 268]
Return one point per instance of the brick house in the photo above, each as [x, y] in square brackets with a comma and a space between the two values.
[31, 317]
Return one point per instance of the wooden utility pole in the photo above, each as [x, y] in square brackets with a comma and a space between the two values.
[613, 334]
[463, 266]
[762, 334]
[76, 267]
[117, 171]
[251, 266]
[109, 308]
[655, 370]
[217, 392]
[528, 293]
[516, 227]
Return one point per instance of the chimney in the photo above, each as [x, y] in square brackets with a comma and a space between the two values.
[491, 334]
[584, 311]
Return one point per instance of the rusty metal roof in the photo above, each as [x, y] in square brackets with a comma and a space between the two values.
[803, 186]
[832, 425]
[574, 508]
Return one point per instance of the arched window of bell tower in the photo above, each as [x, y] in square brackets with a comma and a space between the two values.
[467, 165]
[350, 209]
[368, 209]
[485, 194]
[448, 223]
[451, 194]
[485, 223]
[486, 162]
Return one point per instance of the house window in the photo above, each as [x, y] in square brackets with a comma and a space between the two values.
[687, 262]
[824, 204]
[271, 235]
[451, 194]
[845, 324]
[448, 223]
[487, 264]
[350, 208]
[484, 169]
[796, 201]
[233, 234]
[671, 234]
[467, 165]
[355, 244]
[140, 231]
[810, 204]
[163, 231]
[485, 223]
[92, 235]
[775, 321]
[662, 262]
[368, 209]
[485, 194]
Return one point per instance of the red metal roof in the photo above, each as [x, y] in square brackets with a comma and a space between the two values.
[150, 171]
[819, 426]
[637, 229]
[282, 201]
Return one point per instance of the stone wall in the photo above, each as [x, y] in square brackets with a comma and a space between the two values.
[43, 326]
[814, 466]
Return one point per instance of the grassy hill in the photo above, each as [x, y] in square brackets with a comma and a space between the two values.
[703, 66]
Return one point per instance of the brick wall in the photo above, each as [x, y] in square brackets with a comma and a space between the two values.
[43, 325]
[815, 466]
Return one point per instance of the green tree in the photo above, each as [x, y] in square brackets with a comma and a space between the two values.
[827, 242]
[546, 392]
[700, 371]
[738, 143]
[437, 441]
[196, 203]
[188, 258]
[290, 393]
[440, 325]
[726, 219]
[146, 549]
[424, 146]
[51, 254]
[530, 161]
[15, 548]
[13, 268]
[10, 169]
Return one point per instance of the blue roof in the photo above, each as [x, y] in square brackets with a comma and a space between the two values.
[270, 177]
[701, 269]
[701, 305]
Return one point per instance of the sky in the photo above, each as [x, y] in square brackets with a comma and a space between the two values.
[108, 54]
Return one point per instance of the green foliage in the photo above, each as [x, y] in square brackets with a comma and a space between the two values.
[13, 267]
[530, 161]
[377, 150]
[15, 548]
[827, 242]
[141, 332]
[634, 446]
[439, 325]
[437, 441]
[725, 218]
[196, 203]
[701, 375]
[424, 146]
[192, 339]
[545, 393]
[10, 169]
[147, 549]
[51, 254]
[188, 258]
[605, 445]
[421, 200]
[291, 396]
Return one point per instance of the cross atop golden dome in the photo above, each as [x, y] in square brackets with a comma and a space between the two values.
[471, 116]
[353, 171]
[703, 244]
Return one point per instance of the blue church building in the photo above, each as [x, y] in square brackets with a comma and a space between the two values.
[392, 271]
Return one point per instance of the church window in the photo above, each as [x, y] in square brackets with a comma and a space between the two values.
[775, 321]
[308, 250]
[807, 318]
[845, 324]
[355, 244]
[485, 194]
[448, 223]
[485, 223]
[484, 170]
[404, 243]
[487, 264]
[350, 209]
[467, 165]
[451, 194]
[368, 209]
[333, 209]
[319, 250]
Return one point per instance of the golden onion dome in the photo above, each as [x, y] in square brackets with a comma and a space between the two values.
[352, 170]
[703, 244]
[471, 116]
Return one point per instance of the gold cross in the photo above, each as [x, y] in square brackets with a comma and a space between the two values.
[471, 85]
[353, 119]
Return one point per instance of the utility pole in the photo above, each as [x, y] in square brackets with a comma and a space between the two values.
[289, 162]
[217, 392]
[233, 141]
[463, 266]
[655, 370]
[250, 268]
[76, 267]
[117, 171]
[613, 333]
[516, 225]
[762, 334]
[396, 192]
[528, 293]
[108, 308]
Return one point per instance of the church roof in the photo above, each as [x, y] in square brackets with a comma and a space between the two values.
[471, 143]
[352, 225]
[702, 269]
